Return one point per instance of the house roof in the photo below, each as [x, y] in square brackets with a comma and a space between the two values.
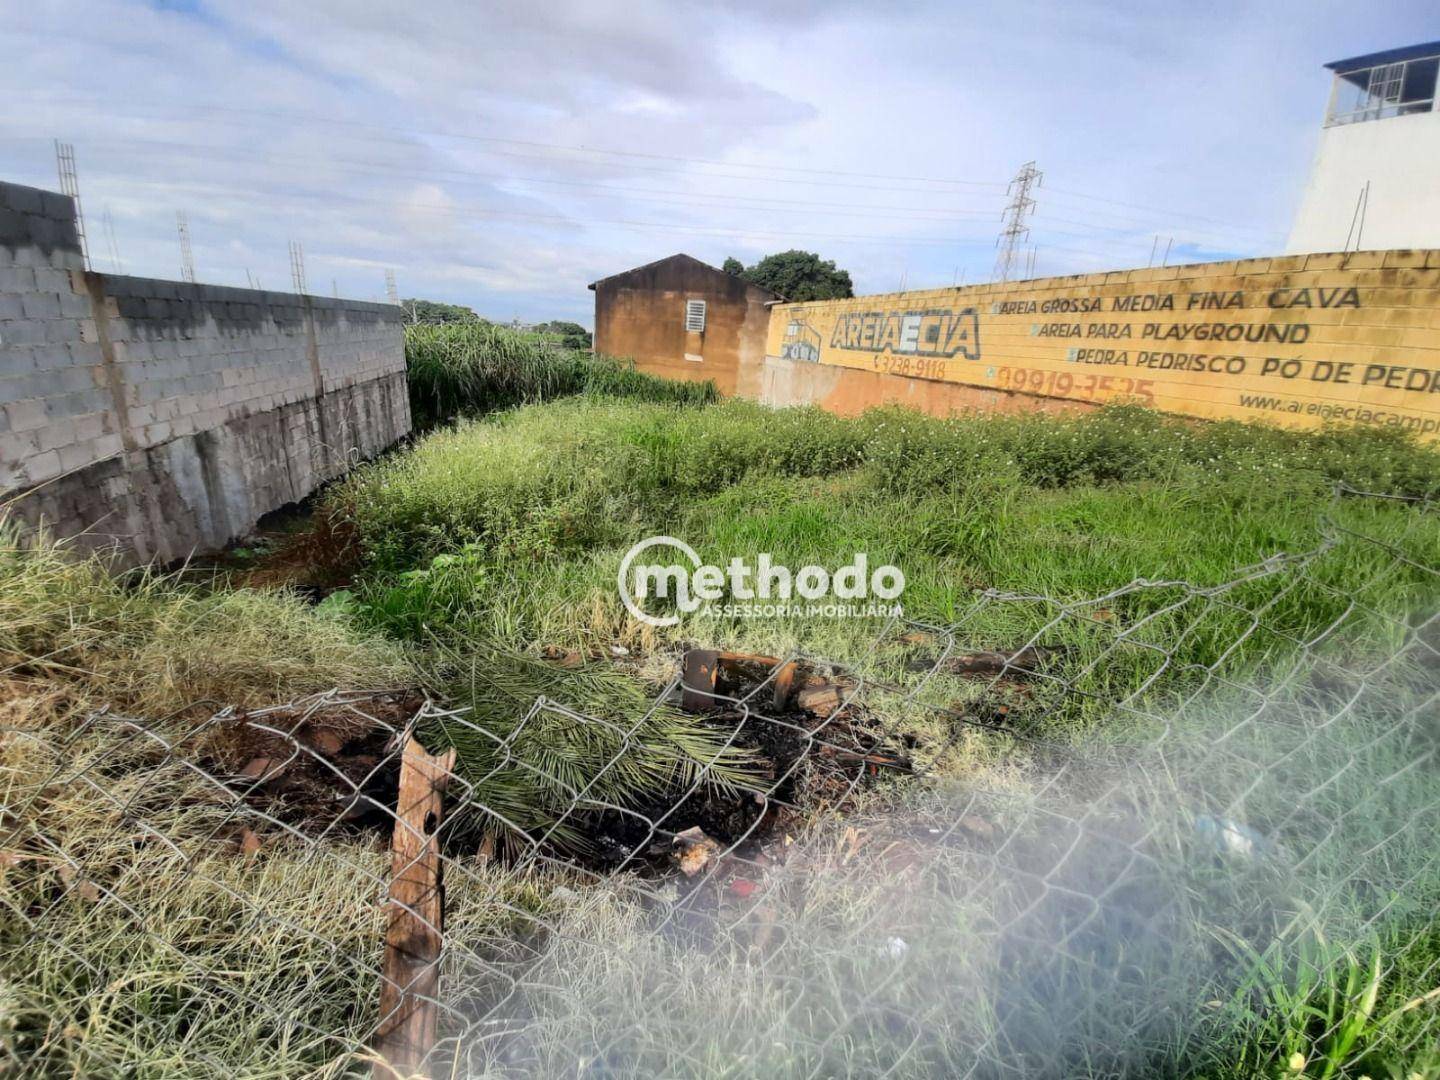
[1388, 56]
[687, 258]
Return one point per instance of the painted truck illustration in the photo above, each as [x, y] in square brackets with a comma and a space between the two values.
[801, 342]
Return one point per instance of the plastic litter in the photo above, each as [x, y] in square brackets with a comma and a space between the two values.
[1230, 837]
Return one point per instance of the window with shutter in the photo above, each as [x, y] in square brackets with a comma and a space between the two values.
[695, 316]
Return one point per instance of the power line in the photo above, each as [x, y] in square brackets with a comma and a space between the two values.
[723, 200]
[1041, 220]
[329, 198]
[187, 258]
[788, 206]
[1109, 220]
[1091, 249]
[701, 199]
[563, 219]
[1022, 205]
[748, 178]
[471, 175]
[70, 185]
[313, 118]
[1140, 206]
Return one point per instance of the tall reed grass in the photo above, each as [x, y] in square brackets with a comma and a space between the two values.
[466, 369]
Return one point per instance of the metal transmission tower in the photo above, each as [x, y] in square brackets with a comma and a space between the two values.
[70, 185]
[1015, 230]
[187, 258]
[107, 225]
[391, 291]
[297, 266]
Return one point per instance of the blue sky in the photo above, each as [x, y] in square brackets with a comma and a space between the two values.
[503, 155]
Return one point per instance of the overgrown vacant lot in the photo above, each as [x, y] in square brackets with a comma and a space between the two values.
[511, 529]
[505, 533]
[1074, 916]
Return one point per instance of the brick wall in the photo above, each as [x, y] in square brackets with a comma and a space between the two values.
[168, 416]
[640, 316]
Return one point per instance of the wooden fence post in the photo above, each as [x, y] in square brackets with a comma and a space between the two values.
[413, 934]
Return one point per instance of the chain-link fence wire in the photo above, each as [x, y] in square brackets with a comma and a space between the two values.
[1176, 829]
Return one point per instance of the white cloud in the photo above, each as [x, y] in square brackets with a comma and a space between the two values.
[505, 154]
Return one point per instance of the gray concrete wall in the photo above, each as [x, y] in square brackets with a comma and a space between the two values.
[167, 417]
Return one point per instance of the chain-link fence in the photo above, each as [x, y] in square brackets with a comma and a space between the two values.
[1177, 829]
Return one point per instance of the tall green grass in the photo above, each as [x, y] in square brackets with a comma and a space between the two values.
[499, 534]
[467, 369]
[545, 501]
[497, 482]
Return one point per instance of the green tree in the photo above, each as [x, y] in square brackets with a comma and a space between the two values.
[797, 275]
[432, 311]
[572, 335]
[734, 266]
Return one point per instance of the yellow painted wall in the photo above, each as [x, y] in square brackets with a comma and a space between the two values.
[1295, 340]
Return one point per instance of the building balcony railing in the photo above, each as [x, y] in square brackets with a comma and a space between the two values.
[1383, 91]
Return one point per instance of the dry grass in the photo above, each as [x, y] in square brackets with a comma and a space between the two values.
[137, 938]
[148, 644]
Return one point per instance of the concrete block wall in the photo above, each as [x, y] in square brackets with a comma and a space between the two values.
[166, 416]
[192, 357]
[56, 413]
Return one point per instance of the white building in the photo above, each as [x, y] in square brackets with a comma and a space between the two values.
[1376, 178]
